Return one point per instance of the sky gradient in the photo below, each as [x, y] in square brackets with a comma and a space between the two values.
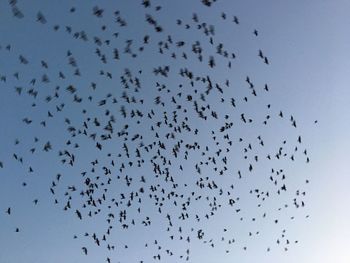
[307, 43]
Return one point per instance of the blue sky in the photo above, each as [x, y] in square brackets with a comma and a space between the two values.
[307, 46]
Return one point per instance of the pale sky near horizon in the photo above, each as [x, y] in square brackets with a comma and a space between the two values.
[308, 46]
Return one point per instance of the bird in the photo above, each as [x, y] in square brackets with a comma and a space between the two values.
[8, 211]
[85, 251]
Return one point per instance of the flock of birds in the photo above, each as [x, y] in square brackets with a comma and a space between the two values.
[162, 147]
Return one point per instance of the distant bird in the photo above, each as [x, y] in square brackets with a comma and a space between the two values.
[41, 18]
[85, 250]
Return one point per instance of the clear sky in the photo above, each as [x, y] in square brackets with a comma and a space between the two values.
[307, 45]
